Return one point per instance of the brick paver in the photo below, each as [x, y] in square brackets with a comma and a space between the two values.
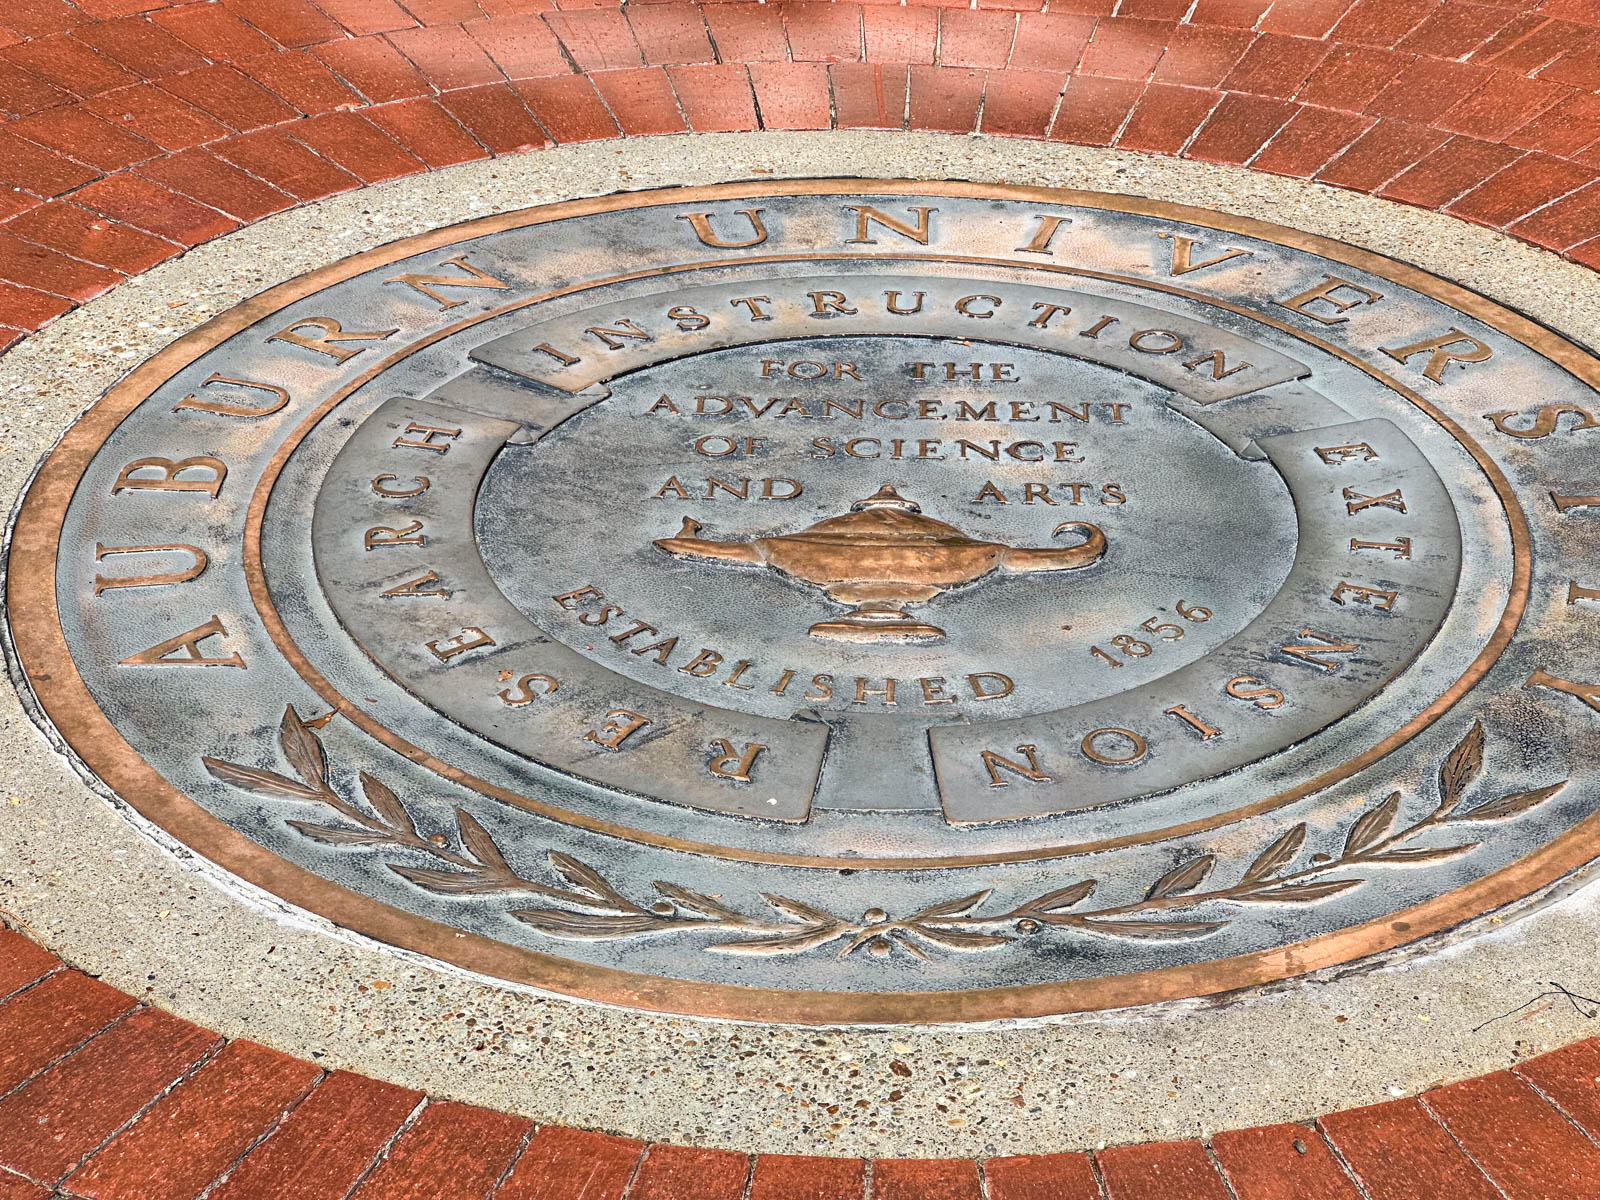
[452, 1151]
[51, 1019]
[325, 1144]
[687, 1173]
[55, 1121]
[196, 1131]
[1528, 1148]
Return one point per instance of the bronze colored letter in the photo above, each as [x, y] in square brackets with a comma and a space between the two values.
[103, 584]
[170, 470]
[332, 332]
[993, 762]
[426, 283]
[223, 409]
[866, 215]
[701, 224]
[167, 653]
[728, 763]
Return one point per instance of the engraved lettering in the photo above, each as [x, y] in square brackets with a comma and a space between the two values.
[728, 763]
[1155, 341]
[886, 691]
[701, 224]
[566, 360]
[426, 284]
[1206, 732]
[1262, 694]
[470, 638]
[1400, 546]
[329, 341]
[1219, 365]
[170, 479]
[1589, 693]
[1134, 747]
[1545, 421]
[387, 535]
[192, 403]
[1042, 236]
[422, 483]
[1183, 251]
[1563, 503]
[617, 336]
[994, 763]
[753, 305]
[1376, 598]
[103, 583]
[1334, 455]
[1576, 593]
[1357, 501]
[418, 587]
[523, 693]
[990, 685]
[425, 442]
[1440, 354]
[1323, 293]
[184, 650]
[866, 216]
[1330, 645]
[964, 306]
[620, 724]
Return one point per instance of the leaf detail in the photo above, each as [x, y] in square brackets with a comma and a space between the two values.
[1060, 899]
[586, 879]
[951, 908]
[255, 779]
[386, 804]
[1461, 766]
[338, 835]
[1183, 878]
[587, 926]
[1276, 855]
[1301, 893]
[799, 911]
[959, 939]
[788, 943]
[1154, 929]
[1513, 805]
[480, 845]
[453, 883]
[1422, 854]
[694, 902]
[303, 749]
[1374, 823]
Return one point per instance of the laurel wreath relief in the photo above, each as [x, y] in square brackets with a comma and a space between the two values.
[591, 909]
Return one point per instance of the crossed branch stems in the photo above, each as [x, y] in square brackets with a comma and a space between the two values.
[589, 908]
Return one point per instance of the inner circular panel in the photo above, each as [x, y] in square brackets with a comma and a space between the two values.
[749, 444]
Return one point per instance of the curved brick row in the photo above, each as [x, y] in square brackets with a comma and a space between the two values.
[107, 1099]
[138, 128]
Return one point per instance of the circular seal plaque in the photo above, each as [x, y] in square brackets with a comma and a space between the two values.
[842, 601]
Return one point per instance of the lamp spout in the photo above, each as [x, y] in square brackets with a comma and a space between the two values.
[687, 543]
[1091, 549]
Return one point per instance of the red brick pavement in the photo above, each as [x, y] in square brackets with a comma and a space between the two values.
[105, 1098]
[132, 130]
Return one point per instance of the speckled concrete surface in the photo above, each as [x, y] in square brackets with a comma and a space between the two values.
[81, 878]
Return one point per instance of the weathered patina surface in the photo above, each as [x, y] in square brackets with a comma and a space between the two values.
[845, 601]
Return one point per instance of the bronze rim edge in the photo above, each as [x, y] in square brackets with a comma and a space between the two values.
[63, 700]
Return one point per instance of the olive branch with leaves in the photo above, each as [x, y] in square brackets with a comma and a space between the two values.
[589, 908]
